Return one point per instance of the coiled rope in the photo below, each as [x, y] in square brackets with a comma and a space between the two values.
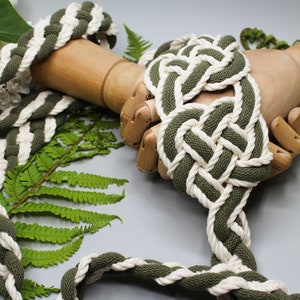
[215, 153]
[26, 127]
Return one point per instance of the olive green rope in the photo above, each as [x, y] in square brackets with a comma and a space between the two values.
[215, 153]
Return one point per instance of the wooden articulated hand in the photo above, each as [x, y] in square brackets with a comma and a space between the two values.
[199, 113]
[97, 75]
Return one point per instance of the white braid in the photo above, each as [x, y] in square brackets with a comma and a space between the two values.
[26, 113]
[24, 140]
[9, 244]
[68, 22]
[34, 44]
[97, 14]
[60, 106]
[9, 283]
[50, 128]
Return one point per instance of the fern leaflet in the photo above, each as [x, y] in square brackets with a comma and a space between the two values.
[46, 258]
[136, 45]
[49, 234]
[31, 289]
[70, 214]
[73, 179]
[77, 196]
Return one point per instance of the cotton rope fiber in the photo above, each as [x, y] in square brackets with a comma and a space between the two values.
[215, 153]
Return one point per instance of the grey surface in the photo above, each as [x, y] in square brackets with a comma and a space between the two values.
[158, 222]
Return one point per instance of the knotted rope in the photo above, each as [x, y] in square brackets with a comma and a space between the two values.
[26, 127]
[215, 153]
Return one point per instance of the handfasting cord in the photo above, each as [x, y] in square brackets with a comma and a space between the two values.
[215, 153]
[26, 127]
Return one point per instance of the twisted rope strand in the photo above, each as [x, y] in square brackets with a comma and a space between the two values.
[215, 153]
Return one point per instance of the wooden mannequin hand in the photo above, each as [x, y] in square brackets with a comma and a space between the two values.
[106, 79]
[277, 74]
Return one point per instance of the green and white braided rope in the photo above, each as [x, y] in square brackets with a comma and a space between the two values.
[215, 153]
[26, 127]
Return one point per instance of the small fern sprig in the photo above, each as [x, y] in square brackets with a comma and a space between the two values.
[32, 191]
[258, 39]
[31, 290]
[136, 45]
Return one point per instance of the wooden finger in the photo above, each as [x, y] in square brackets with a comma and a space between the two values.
[137, 117]
[294, 119]
[282, 160]
[147, 158]
[129, 127]
[286, 136]
[162, 170]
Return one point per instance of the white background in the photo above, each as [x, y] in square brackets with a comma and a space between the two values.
[158, 222]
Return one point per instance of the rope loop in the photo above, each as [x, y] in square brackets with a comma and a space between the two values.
[216, 153]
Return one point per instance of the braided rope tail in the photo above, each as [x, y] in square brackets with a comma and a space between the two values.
[26, 127]
[216, 154]
[222, 188]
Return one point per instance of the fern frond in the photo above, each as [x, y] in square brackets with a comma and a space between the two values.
[77, 196]
[136, 45]
[48, 234]
[73, 178]
[32, 290]
[66, 213]
[47, 258]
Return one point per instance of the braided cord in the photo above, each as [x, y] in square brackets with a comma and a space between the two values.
[215, 153]
[26, 127]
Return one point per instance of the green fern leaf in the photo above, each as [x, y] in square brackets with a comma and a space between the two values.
[70, 214]
[43, 161]
[30, 176]
[68, 138]
[13, 187]
[107, 124]
[77, 196]
[32, 290]
[72, 178]
[54, 149]
[48, 234]
[136, 45]
[47, 258]
[4, 203]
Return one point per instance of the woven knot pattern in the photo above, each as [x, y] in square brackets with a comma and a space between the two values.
[218, 152]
